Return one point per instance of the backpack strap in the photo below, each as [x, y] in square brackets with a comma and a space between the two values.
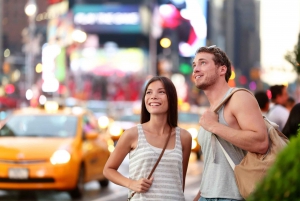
[214, 138]
[229, 96]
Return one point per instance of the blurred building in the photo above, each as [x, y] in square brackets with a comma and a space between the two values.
[256, 35]
[14, 36]
[110, 54]
[234, 27]
[280, 27]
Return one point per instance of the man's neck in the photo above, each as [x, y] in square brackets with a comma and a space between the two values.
[216, 94]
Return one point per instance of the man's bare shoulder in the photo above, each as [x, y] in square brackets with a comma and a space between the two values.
[243, 101]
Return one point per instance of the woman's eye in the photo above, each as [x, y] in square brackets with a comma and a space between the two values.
[148, 92]
[162, 92]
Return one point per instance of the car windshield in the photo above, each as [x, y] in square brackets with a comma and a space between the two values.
[188, 117]
[133, 118]
[98, 110]
[39, 126]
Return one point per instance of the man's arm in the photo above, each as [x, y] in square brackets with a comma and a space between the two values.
[246, 129]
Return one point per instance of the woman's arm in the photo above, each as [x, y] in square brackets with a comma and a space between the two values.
[186, 142]
[197, 196]
[125, 144]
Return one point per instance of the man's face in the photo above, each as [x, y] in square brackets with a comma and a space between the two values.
[205, 71]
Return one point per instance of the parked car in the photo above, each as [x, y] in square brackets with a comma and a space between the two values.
[52, 148]
[122, 123]
[101, 111]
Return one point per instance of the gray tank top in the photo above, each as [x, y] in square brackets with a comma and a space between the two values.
[218, 179]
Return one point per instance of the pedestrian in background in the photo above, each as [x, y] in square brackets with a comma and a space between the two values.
[290, 103]
[263, 102]
[144, 143]
[238, 125]
[278, 113]
[293, 122]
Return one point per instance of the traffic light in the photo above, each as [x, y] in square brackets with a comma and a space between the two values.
[185, 65]
[185, 68]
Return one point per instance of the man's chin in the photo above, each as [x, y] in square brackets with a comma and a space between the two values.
[200, 86]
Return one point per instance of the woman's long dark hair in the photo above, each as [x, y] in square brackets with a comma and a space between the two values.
[172, 117]
[292, 124]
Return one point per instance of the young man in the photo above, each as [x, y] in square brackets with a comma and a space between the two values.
[238, 125]
[278, 113]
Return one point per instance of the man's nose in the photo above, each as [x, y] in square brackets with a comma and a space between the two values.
[195, 69]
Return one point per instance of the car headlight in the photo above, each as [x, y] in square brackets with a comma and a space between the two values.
[194, 144]
[115, 130]
[110, 144]
[103, 122]
[193, 132]
[60, 157]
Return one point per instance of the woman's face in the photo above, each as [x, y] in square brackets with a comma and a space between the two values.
[156, 99]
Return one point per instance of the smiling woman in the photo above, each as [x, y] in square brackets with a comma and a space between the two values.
[156, 134]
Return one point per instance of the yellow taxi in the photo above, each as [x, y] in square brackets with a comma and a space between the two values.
[52, 148]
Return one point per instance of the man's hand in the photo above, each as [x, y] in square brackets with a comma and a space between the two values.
[208, 119]
[141, 185]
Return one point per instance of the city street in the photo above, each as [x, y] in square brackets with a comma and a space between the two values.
[111, 193]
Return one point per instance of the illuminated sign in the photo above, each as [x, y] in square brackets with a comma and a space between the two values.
[108, 18]
[105, 62]
[189, 23]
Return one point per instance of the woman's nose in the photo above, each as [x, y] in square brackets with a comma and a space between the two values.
[153, 96]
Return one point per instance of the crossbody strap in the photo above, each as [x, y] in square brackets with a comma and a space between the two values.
[154, 167]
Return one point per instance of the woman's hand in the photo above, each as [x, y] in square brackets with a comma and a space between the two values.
[141, 185]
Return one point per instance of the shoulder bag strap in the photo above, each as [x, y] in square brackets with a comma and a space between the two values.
[231, 163]
[154, 167]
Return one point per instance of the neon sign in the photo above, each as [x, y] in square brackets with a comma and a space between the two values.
[108, 18]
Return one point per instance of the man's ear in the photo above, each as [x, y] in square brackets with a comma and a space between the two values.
[223, 70]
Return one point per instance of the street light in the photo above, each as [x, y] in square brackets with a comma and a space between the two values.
[30, 8]
[79, 36]
[31, 11]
